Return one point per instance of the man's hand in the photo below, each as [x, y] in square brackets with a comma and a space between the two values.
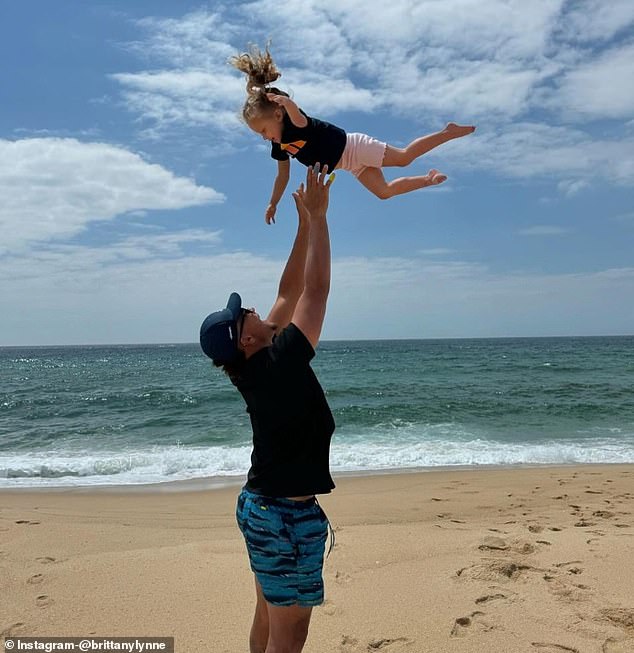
[314, 198]
[269, 215]
[302, 212]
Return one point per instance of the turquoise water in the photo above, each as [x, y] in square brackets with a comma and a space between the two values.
[142, 414]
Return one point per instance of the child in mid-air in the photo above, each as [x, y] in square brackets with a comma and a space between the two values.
[271, 112]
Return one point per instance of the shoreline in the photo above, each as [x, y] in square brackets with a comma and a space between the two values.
[212, 483]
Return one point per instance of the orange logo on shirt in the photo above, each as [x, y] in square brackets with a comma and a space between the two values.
[293, 148]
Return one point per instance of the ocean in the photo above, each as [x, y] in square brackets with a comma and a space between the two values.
[120, 415]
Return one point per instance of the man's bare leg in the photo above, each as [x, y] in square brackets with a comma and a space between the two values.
[259, 635]
[288, 628]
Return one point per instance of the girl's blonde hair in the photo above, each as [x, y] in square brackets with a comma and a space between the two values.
[260, 70]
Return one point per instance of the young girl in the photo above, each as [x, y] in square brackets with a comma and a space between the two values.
[271, 112]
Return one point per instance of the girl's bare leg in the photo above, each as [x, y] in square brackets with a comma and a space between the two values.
[395, 156]
[374, 181]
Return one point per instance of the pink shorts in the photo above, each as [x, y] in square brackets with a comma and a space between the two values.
[361, 152]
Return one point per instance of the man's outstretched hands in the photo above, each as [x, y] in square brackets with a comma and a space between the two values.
[314, 197]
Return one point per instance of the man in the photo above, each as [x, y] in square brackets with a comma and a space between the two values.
[268, 360]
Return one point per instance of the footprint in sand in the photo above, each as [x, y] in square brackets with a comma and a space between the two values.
[342, 578]
[490, 597]
[27, 521]
[391, 645]
[43, 601]
[451, 528]
[563, 591]
[348, 644]
[496, 570]
[45, 560]
[584, 523]
[525, 548]
[559, 565]
[612, 645]
[351, 645]
[36, 579]
[329, 608]
[619, 617]
[463, 626]
[14, 630]
[491, 543]
[554, 648]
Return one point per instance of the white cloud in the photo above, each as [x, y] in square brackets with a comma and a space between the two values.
[493, 28]
[529, 150]
[460, 89]
[414, 56]
[494, 62]
[437, 251]
[52, 188]
[188, 97]
[190, 41]
[602, 87]
[543, 230]
[88, 295]
[320, 94]
[572, 187]
[597, 20]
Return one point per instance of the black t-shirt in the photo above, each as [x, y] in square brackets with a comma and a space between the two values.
[291, 421]
[318, 142]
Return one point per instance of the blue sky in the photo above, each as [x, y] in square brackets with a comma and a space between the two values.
[133, 196]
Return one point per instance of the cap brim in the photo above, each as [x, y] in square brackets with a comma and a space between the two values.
[219, 331]
[235, 305]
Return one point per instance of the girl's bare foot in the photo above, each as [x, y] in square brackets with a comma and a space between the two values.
[456, 131]
[435, 177]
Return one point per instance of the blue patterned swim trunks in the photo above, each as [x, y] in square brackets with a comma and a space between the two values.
[285, 541]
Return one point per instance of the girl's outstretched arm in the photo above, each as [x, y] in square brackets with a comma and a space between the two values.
[279, 186]
[296, 116]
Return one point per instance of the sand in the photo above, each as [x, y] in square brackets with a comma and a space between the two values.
[532, 560]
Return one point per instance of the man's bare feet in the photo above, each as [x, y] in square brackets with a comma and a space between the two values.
[456, 131]
[435, 177]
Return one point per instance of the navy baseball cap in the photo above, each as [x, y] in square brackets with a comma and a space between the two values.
[219, 332]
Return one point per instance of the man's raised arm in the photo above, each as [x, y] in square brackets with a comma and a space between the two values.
[311, 308]
[292, 280]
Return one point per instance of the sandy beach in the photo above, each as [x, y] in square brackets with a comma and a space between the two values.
[532, 560]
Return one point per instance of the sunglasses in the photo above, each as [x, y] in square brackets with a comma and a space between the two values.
[245, 312]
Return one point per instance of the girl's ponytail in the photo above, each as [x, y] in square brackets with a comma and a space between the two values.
[261, 71]
[259, 68]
